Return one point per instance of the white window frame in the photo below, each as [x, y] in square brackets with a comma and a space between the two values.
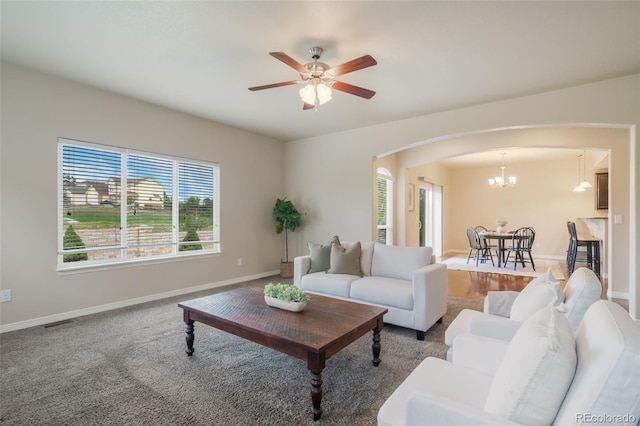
[384, 174]
[124, 259]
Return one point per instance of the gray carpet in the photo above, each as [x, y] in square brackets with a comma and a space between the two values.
[128, 367]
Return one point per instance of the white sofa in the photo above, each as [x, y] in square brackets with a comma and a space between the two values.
[583, 288]
[544, 375]
[405, 280]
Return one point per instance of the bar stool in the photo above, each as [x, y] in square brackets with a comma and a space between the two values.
[590, 256]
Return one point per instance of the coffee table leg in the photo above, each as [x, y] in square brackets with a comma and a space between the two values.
[315, 363]
[376, 345]
[189, 330]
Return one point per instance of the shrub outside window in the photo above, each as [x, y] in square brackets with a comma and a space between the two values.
[117, 205]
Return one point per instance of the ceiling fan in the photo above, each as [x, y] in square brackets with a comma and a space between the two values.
[321, 78]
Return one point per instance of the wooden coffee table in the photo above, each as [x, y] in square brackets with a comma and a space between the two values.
[314, 335]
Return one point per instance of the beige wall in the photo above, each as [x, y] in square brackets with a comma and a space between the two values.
[332, 173]
[36, 110]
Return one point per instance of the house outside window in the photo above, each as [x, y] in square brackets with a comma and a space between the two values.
[385, 206]
[117, 205]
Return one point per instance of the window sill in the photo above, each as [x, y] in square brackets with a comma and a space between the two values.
[107, 266]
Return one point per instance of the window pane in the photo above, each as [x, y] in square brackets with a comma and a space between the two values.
[149, 215]
[89, 209]
[382, 201]
[196, 209]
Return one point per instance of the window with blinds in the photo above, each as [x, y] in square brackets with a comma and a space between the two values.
[385, 206]
[117, 205]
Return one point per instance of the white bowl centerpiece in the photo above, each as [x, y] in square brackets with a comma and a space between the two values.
[285, 296]
[501, 226]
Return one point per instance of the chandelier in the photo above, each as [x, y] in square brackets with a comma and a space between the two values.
[500, 181]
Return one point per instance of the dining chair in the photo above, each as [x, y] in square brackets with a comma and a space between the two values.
[486, 242]
[521, 243]
[476, 243]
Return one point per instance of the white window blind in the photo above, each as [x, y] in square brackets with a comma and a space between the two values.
[109, 195]
[385, 203]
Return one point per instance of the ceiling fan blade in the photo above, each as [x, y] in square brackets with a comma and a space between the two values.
[354, 90]
[289, 61]
[271, 86]
[307, 106]
[354, 65]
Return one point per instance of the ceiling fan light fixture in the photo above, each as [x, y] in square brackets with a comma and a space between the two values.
[308, 93]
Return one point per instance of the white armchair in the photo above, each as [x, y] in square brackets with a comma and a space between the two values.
[497, 321]
[544, 375]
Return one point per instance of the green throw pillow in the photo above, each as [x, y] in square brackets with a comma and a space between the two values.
[345, 261]
[320, 255]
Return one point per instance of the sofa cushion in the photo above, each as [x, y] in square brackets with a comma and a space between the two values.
[607, 379]
[345, 260]
[399, 262]
[538, 367]
[383, 291]
[541, 292]
[460, 325]
[320, 255]
[583, 288]
[331, 284]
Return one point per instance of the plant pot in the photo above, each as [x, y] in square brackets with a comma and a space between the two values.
[286, 269]
[287, 306]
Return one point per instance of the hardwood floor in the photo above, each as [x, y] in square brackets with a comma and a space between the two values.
[475, 285]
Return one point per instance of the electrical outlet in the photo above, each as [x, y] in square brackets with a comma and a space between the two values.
[239, 261]
[5, 295]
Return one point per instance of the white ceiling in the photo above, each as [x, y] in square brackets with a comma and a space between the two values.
[200, 57]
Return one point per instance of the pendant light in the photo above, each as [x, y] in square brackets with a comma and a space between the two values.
[584, 183]
[579, 188]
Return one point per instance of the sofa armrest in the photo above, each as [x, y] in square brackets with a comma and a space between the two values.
[301, 265]
[499, 302]
[427, 408]
[493, 326]
[478, 353]
[429, 295]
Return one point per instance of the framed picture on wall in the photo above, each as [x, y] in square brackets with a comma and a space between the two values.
[411, 198]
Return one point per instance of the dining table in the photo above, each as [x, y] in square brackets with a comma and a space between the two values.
[501, 238]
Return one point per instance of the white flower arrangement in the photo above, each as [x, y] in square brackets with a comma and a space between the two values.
[286, 292]
[501, 222]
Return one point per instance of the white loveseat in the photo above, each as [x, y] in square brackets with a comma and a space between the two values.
[405, 280]
[544, 375]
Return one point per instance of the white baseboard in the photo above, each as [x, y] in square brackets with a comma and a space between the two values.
[4, 328]
[618, 295]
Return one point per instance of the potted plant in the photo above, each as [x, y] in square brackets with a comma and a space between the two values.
[287, 219]
[285, 296]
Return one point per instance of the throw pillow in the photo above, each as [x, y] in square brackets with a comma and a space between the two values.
[581, 291]
[536, 372]
[345, 260]
[320, 255]
[541, 292]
